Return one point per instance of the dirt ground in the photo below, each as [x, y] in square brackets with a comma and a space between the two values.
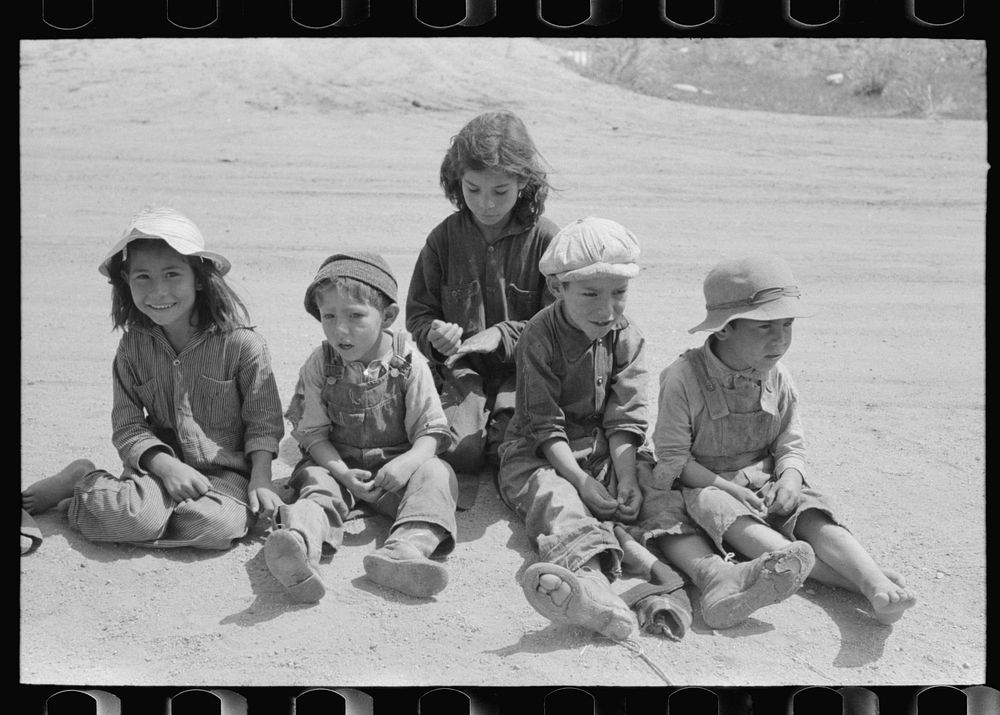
[285, 151]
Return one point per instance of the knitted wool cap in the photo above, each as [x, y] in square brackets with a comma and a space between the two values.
[369, 268]
[163, 223]
[754, 288]
[591, 247]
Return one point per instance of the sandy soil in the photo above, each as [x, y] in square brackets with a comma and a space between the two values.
[284, 151]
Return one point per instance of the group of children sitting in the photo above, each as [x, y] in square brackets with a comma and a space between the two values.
[518, 356]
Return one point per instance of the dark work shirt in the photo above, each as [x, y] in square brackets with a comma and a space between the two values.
[569, 385]
[462, 278]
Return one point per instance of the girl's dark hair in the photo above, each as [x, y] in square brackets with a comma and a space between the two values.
[216, 304]
[498, 141]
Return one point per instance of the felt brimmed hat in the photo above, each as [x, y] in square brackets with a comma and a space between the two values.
[369, 268]
[754, 288]
[163, 223]
[591, 247]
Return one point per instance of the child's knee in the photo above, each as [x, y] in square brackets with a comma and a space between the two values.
[209, 524]
[108, 508]
[437, 474]
[813, 523]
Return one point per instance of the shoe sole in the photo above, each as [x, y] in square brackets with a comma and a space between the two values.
[580, 609]
[770, 587]
[420, 578]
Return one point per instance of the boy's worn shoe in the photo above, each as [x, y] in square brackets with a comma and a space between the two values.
[661, 610]
[730, 592]
[402, 566]
[289, 554]
[591, 603]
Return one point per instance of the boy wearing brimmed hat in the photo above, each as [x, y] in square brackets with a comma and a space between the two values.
[568, 464]
[369, 422]
[728, 431]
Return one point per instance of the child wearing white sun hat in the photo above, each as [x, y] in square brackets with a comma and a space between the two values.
[196, 416]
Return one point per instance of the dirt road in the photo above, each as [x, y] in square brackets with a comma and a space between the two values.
[286, 151]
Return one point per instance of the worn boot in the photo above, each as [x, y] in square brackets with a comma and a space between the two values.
[293, 549]
[402, 562]
[590, 603]
[660, 609]
[730, 592]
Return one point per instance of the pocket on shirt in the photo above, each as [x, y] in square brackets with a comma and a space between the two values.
[216, 403]
[154, 403]
[522, 304]
[462, 304]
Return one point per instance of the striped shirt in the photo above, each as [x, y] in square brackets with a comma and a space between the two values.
[209, 405]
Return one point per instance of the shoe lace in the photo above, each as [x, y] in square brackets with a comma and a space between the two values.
[633, 645]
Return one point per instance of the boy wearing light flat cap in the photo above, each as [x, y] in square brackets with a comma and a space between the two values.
[728, 431]
[568, 463]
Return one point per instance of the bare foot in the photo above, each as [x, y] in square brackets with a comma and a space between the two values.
[582, 597]
[890, 601]
[554, 588]
[894, 576]
[52, 491]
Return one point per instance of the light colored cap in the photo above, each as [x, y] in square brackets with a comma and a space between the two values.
[591, 247]
[163, 223]
[754, 288]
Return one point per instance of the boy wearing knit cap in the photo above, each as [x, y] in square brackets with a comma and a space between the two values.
[568, 463]
[728, 432]
[369, 422]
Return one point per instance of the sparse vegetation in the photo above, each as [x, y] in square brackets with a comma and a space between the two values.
[891, 77]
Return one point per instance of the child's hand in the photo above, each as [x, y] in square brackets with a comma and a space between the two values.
[395, 473]
[184, 483]
[485, 341]
[597, 499]
[629, 501]
[445, 337]
[784, 494]
[359, 483]
[264, 499]
[748, 498]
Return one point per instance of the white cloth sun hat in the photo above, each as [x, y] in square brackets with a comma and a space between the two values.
[179, 232]
[591, 247]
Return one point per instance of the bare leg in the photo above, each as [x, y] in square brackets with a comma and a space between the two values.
[51, 491]
[845, 555]
[751, 538]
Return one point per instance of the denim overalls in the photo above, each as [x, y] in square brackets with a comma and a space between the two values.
[368, 430]
[736, 444]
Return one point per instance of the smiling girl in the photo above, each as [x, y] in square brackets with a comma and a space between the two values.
[196, 416]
